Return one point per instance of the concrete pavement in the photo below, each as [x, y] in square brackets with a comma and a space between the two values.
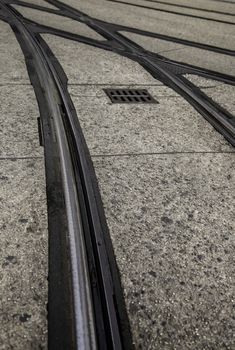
[166, 179]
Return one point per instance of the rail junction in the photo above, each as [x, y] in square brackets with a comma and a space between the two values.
[121, 192]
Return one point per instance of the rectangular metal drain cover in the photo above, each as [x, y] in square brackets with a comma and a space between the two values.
[129, 96]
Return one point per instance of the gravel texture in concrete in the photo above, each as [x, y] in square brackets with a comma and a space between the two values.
[23, 254]
[40, 3]
[170, 126]
[202, 82]
[218, 34]
[170, 216]
[85, 64]
[190, 55]
[153, 44]
[224, 95]
[223, 6]
[171, 220]
[154, 6]
[12, 69]
[58, 22]
[23, 219]
[18, 122]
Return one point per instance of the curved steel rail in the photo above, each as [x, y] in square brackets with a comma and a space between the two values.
[86, 308]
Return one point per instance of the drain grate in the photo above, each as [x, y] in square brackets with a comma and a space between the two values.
[129, 96]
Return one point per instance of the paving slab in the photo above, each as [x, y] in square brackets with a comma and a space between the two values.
[18, 122]
[212, 33]
[172, 224]
[12, 69]
[170, 126]
[58, 22]
[85, 64]
[23, 252]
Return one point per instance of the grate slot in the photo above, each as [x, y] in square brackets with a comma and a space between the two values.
[129, 96]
